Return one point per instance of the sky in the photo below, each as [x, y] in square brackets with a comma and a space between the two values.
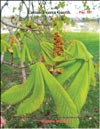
[74, 7]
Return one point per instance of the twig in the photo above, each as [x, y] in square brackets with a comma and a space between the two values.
[6, 4]
[9, 63]
[21, 63]
[12, 59]
[17, 66]
[28, 9]
[27, 65]
[39, 24]
[26, 29]
[6, 109]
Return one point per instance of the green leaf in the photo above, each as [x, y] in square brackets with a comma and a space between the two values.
[20, 8]
[62, 4]
[28, 54]
[67, 63]
[79, 87]
[47, 53]
[16, 51]
[78, 50]
[48, 58]
[4, 46]
[36, 99]
[72, 67]
[59, 58]
[92, 73]
[19, 92]
[23, 53]
[64, 104]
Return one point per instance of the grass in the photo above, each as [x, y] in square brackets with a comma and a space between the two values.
[91, 41]
[90, 111]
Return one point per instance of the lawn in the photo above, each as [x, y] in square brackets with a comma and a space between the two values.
[90, 112]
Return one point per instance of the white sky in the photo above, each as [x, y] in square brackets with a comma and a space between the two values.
[73, 6]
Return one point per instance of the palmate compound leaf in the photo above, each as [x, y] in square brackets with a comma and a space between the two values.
[19, 92]
[47, 55]
[25, 53]
[32, 103]
[64, 104]
[79, 87]
[70, 68]
[47, 51]
[78, 50]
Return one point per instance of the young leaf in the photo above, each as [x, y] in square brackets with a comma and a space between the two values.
[4, 46]
[28, 54]
[47, 50]
[16, 51]
[23, 53]
[78, 50]
[19, 92]
[64, 104]
[67, 63]
[60, 58]
[47, 53]
[79, 87]
[48, 46]
[92, 73]
[36, 99]
[69, 70]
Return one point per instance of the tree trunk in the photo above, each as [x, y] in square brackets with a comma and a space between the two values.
[23, 71]
[21, 63]
[2, 57]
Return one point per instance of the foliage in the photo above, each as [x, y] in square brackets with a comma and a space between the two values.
[88, 109]
[20, 91]
[80, 60]
[4, 46]
[64, 105]
[54, 65]
[36, 99]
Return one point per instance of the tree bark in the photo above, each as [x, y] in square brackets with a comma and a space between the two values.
[23, 71]
[21, 63]
[2, 57]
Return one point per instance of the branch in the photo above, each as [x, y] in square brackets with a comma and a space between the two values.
[9, 63]
[7, 108]
[26, 29]
[21, 63]
[17, 66]
[27, 9]
[43, 24]
[6, 3]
